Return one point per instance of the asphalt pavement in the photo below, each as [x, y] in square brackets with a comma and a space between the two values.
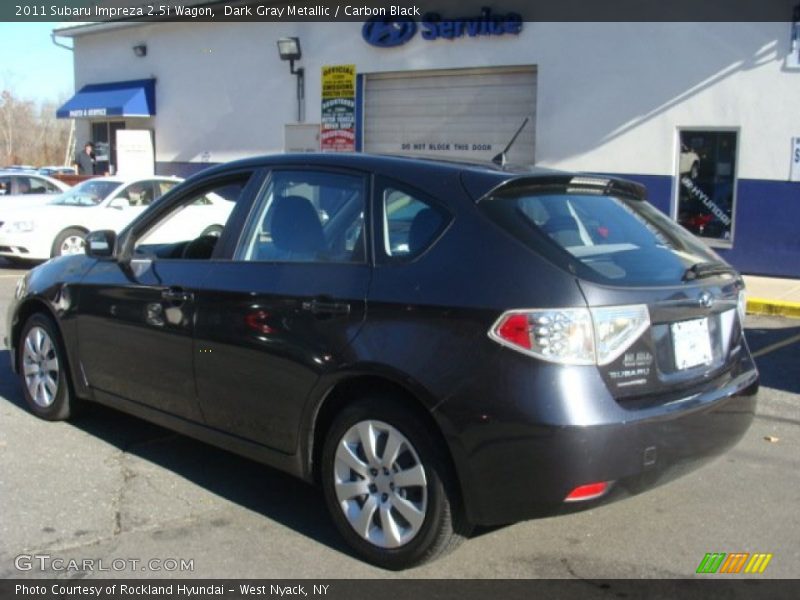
[109, 487]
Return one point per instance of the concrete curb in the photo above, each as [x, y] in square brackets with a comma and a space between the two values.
[762, 306]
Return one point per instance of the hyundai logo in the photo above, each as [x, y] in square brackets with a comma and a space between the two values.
[706, 300]
[387, 33]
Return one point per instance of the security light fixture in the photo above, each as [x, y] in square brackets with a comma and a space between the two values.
[289, 49]
[140, 50]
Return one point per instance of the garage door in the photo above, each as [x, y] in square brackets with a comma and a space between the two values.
[460, 113]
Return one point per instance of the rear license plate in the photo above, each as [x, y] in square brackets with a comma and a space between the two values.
[691, 343]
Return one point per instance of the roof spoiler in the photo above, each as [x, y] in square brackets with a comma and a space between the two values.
[573, 184]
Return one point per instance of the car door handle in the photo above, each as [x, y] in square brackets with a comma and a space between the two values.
[326, 307]
[177, 295]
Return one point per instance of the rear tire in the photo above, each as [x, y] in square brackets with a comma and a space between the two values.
[388, 485]
[43, 372]
[70, 241]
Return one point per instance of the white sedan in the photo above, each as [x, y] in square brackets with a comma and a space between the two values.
[59, 227]
[18, 189]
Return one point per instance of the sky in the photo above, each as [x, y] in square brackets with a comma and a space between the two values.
[31, 66]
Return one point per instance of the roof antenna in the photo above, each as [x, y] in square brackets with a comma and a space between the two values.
[500, 159]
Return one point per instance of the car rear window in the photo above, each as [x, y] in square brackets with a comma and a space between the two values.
[603, 238]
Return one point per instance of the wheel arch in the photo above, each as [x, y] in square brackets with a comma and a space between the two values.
[82, 228]
[28, 308]
[356, 386]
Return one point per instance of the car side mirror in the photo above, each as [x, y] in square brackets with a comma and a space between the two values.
[119, 203]
[100, 244]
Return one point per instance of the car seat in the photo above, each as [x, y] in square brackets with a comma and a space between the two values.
[296, 230]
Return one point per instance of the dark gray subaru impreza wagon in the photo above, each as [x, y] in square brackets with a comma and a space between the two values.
[438, 345]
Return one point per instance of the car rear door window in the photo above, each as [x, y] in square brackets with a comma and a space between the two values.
[308, 216]
[411, 224]
[37, 185]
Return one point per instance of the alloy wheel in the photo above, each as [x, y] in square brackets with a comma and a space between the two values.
[380, 484]
[40, 366]
[74, 244]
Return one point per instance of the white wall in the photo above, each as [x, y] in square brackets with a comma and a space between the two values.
[610, 95]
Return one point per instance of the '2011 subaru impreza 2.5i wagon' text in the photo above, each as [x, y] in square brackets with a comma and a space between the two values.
[439, 345]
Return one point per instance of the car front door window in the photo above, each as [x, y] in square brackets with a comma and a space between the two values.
[193, 227]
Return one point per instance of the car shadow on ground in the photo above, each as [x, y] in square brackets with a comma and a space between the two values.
[12, 266]
[779, 366]
[271, 493]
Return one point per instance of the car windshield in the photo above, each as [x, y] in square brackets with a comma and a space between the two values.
[88, 193]
[602, 238]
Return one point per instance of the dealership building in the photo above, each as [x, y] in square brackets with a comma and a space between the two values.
[704, 114]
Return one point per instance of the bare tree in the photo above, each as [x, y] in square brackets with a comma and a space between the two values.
[8, 128]
[30, 132]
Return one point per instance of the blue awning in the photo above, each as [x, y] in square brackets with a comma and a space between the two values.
[116, 99]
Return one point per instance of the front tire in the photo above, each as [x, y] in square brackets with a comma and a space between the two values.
[43, 370]
[70, 241]
[388, 486]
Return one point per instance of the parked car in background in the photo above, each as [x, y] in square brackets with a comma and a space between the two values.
[57, 228]
[18, 189]
[689, 162]
[437, 344]
[56, 170]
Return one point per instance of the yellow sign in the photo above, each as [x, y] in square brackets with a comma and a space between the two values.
[338, 81]
[338, 108]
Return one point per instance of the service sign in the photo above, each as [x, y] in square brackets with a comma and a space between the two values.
[338, 127]
[390, 29]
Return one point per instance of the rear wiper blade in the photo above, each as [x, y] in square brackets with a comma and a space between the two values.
[700, 270]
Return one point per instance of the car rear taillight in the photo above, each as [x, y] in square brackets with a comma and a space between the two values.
[516, 330]
[572, 336]
[590, 491]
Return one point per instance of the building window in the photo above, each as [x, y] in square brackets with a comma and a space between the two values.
[707, 183]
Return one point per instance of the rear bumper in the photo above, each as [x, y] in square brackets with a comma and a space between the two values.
[522, 466]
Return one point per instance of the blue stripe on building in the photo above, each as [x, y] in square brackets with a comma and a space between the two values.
[766, 236]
